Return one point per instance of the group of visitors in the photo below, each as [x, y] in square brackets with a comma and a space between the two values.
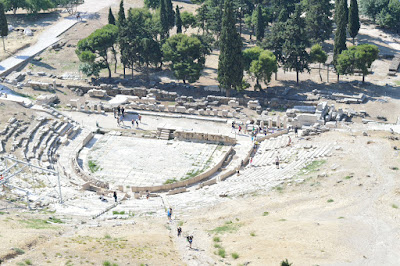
[252, 129]
[189, 238]
[119, 114]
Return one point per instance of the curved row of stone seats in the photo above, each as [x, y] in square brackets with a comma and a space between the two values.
[253, 178]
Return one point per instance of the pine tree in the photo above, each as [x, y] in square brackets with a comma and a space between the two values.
[170, 13]
[178, 20]
[260, 27]
[340, 34]
[318, 22]
[230, 65]
[111, 18]
[3, 24]
[354, 19]
[164, 19]
[121, 14]
[296, 42]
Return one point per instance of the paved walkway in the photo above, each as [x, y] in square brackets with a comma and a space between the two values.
[51, 36]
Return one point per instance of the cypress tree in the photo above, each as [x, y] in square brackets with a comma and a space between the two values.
[296, 42]
[230, 65]
[164, 19]
[3, 24]
[354, 19]
[121, 34]
[111, 18]
[170, 13]
[121, 14]
[260, 28]
[178, 20]
[340, 34]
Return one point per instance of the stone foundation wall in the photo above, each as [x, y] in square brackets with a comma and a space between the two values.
[184, 135]
[185, 183]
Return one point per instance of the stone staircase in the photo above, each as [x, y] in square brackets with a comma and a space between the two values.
[165, 134]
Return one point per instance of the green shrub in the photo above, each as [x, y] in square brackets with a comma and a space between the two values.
[265, 213]
[221, 252]
[235, 255]
[395, 206]
[19, 251]
[253, 234]
[330, 200]
[286, 263]
[217, 239]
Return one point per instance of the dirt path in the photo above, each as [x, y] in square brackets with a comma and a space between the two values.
[194, 256]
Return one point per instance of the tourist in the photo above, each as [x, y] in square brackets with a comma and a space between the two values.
[137, 123]
[233, 126]
[115, 113]
[121, 119]
[123, 111]
[277, 162]
[290, 141]
[296, 134]
[179, 231]
[265, 132]
[118, 120]
[147, 195]
[190, 240]
[251, 160]
[119, 110]
[140, 118]
[103, 199]
[240, 128]
[115, 196]
[169, 213]
[133, 123]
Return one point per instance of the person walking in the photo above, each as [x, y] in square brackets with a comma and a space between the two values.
[277, 162]
[179, 231]
[290, 141]
[118, 120]
[140, 118]
[169, 214]
[123, 111]
[115, 196]
[137, 123]
[119, 110]
[190, 240]
[296, 134]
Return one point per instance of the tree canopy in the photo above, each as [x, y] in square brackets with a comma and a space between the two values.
[358, 57]
[185, 54]
[93, 51]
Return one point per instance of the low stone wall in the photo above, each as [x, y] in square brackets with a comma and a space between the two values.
[186, 135]
[80, 172]
[188, 182]
[111, 90]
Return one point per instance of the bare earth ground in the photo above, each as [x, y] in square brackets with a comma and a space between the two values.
[344, 213]
[17, 40]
